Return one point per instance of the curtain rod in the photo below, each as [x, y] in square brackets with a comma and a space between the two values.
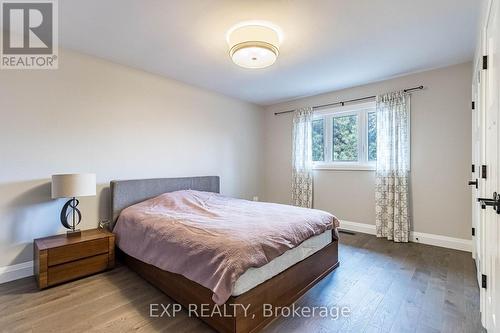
[348, 101]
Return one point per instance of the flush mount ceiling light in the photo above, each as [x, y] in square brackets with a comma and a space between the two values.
[254, 44]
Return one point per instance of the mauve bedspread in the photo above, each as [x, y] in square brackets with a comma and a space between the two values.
[211, 239]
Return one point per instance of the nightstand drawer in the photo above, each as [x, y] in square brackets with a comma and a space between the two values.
[76, 269]
[60, 258]
[64, 254]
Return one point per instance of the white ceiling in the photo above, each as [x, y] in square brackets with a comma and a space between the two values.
[328, 44]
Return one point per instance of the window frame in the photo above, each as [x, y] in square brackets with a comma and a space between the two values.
[359, 109]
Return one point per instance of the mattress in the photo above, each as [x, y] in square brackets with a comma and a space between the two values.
[255, 276]
[213, 240]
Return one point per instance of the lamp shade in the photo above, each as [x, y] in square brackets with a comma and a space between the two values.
[73, 185]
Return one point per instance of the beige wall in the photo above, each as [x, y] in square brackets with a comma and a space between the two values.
[96, 116]
[440, 155]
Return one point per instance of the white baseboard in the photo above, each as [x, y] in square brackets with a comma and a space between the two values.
[14, 272]
[416, 237]
[442, 241]
[358, 227]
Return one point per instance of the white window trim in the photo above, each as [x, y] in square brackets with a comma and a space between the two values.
[362, 164]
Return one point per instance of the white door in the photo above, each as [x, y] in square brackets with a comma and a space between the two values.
[476, 182]
[477, 144]
[492, 146]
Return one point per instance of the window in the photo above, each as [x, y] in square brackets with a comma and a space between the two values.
[372, 136]
[318, 140]
[345, 137]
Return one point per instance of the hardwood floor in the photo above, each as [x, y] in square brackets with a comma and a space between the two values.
[388, 287]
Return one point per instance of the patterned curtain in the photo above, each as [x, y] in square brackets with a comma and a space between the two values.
[393, 166]
[302, 175]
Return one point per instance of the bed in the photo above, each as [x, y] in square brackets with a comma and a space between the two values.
[279, 279]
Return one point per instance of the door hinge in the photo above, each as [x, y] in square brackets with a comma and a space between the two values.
[485, 62]
[484, 280]
[473, 105]
[473, 231]
[473, 168]
[483, 171]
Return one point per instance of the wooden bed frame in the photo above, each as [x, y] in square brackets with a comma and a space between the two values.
[280, 291]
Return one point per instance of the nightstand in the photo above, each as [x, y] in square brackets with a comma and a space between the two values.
[58, 259]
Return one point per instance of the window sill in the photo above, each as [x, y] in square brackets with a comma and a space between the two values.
[345, 167]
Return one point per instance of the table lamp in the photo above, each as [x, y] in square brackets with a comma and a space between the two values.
[72, 186]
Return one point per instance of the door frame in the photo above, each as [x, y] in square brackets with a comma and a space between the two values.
[488, 250]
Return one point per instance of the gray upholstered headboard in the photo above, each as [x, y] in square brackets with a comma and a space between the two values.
[125, 193]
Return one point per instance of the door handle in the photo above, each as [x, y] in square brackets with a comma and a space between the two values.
[473, 183]
[495, 202]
